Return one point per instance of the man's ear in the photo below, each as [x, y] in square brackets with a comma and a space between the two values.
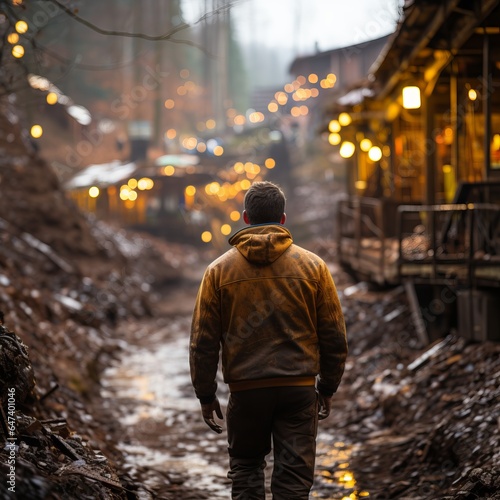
[245, 217]
[283, 219]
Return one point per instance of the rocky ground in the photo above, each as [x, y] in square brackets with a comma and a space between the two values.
[79, 298]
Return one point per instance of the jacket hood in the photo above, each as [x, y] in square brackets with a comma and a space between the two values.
[262, 244]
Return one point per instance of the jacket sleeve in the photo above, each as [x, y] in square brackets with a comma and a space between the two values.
[205, 340]
[331, 335]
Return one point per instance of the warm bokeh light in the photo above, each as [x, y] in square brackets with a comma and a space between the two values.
[36, 131]
[365, 144]
[270, 163]
[181, 90]
[169, 103]
[145, 184]
[206, 236]
[245, 184]
[94, 192]
[13, 38]
[21, 27]
[210, 124]
[184, 73]
[272, 107]
[51, 98]
[334, 139]
[345, 119]
[132, 183]
[313, 78]
[225, 229]
[281, 97]
[347, 149]
[18, 51]
[238, 167]
[240, 120]
[295, 111]
[218, 151]
[472, 94]
[411, 97]
[132, 195]
[201, 147]
[171, 133]
[190, 190]
[375, 153]
[235, 216]
[334, 126]
[168, 170]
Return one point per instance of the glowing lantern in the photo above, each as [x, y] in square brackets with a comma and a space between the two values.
[411, 97]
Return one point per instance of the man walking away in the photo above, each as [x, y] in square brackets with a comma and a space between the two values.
[271, 307]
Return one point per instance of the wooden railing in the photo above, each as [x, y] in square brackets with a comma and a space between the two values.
[457, 242]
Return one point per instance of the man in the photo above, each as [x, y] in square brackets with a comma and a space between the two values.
[272, 308]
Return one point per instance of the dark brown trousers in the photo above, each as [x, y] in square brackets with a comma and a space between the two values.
[288, 416]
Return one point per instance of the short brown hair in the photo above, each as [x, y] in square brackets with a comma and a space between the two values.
[264, 203]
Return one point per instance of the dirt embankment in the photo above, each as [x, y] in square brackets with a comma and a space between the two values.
[65, 283]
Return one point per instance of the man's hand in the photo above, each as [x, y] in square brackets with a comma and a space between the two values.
[325, 405]
[207, 411]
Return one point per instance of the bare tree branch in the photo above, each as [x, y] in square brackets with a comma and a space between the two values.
[93, 27]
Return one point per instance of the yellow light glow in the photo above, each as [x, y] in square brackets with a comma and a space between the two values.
[206, 236]
[235, 216]
[132, 183]
[225, 229]
[17, 2]
[472, 94]
[347, 149]
[238, 167]
[345, 119]
[334, 126]
[132, 195]
[36, 131]
[94, 192]
[21, 27]
[214, 187]
[411, 97]
[375, 153]
[245, 184]
[201, 147]
[295, 111]
[360, 184]
[313, 78]
[145, 184]
[210, 123]
[181, 90]
[18, 51]
[304, 110]
[364, 494]
[124, 194]
[190, 190]
[169, 103]
[13, 38]
[365, 145]
[334, 139]
[218, 151]
[51, 98]
[168, 170]
[332, 78]
[272, 107]
[270, 163]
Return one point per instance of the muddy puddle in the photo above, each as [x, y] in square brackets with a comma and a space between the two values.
[166, 443]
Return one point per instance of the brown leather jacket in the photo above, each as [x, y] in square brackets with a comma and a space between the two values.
[273, 308]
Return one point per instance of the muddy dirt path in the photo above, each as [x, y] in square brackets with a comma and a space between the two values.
[166, 443]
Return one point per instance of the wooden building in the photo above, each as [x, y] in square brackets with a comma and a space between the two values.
[421, 143]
